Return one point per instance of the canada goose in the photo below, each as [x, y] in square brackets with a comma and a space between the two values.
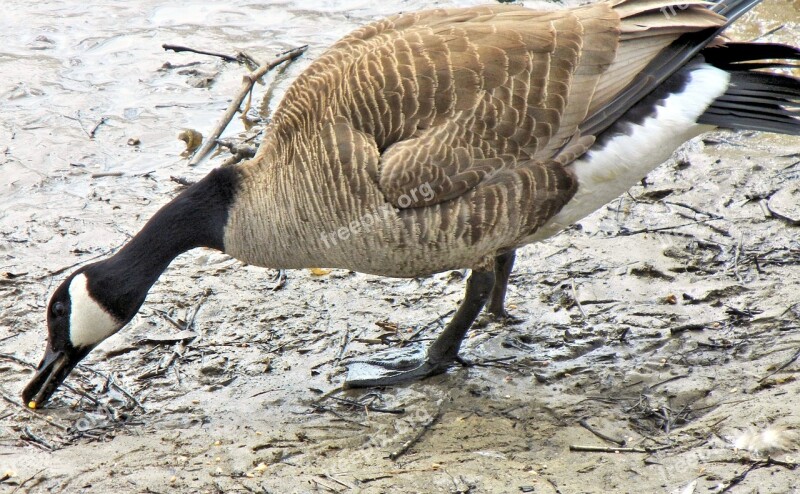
[446, 139]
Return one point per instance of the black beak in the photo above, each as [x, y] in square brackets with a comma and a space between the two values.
[53, 369]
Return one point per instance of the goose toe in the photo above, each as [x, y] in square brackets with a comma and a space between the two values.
[394, 366]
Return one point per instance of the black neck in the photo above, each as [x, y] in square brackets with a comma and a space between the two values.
[196, 218]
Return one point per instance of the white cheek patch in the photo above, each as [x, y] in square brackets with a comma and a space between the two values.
[89, 322]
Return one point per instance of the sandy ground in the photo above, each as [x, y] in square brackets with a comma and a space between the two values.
[666, 325]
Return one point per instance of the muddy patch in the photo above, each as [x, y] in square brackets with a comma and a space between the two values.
[657, 341]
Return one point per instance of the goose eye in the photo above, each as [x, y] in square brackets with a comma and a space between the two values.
[59, 310]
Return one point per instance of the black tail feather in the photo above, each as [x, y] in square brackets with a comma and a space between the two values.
[669, 61]
[731, 55]
[756, 100]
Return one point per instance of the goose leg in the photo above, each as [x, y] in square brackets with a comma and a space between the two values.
[397, 366]
[503, 264]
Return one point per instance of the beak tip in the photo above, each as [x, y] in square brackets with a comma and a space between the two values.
[49, 375]
[28, 395]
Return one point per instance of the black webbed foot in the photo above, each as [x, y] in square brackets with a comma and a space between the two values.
[394, 366]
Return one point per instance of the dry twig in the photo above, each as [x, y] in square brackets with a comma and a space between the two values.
[33, 414]
[603, 449]
[583, 423]
[247, 85]
[414, 440]
[22, 484]
[30, 436]
[179, 48]
[784, 365]
[577, 301]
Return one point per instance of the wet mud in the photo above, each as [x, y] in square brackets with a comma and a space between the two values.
[654, 344]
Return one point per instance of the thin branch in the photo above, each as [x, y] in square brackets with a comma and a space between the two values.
[738, 478]
[784, 365]
[577, 301]
[30, 436]
[583, 423]
[33, 414]
[178, 48]
[27, 480]
[603, 449]
[414, 440]
[97, 126]
[247, 85]
[625, 232]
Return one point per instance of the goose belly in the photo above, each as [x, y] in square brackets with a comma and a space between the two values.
[618, 162]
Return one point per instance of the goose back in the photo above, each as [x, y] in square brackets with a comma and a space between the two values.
[433, 140]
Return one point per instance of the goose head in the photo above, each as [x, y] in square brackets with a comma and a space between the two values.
[99, 299]
[85, 310]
